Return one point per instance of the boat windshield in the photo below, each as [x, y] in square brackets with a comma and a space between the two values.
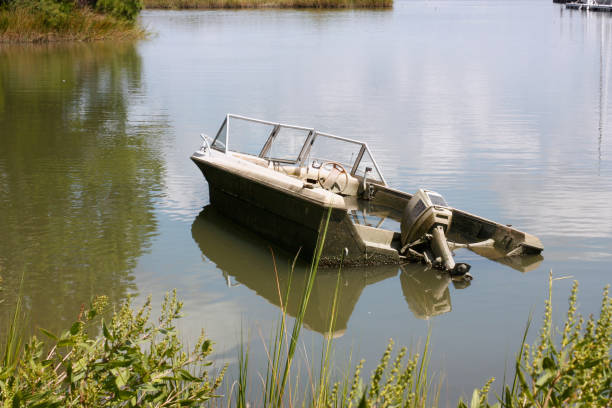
[242, 135]
[255, 137]
[287, 144]
[353, 155]
[294, 145]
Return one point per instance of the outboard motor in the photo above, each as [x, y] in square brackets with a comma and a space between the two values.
[426, 219]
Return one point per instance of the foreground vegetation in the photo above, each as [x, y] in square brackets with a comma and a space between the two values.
[133, 363]
[233, 4]
[136, 363]
[75, 20]
[128, 361]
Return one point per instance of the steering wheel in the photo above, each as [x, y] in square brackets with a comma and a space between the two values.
[330, 182]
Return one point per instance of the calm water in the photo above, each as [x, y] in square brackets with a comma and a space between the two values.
[502, 106]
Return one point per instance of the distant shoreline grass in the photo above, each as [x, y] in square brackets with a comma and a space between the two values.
[44, 21]
[33, 25]
[239, 4]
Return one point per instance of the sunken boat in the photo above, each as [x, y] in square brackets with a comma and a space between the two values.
[289, 182]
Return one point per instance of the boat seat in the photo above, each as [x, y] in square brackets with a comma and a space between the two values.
[303, 173]
[310, 173]
[288, 169]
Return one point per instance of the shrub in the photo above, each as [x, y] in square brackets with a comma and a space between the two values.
[54, 14]
[125, 9]
[133, 363]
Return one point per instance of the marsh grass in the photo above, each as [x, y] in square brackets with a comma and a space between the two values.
[238, 4]
[29, 24]
[13, 340]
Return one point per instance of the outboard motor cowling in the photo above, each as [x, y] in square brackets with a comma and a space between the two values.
[426, 219]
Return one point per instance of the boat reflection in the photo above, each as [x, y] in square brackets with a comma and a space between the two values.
[426, 291]
[245, 259]
[524, 263]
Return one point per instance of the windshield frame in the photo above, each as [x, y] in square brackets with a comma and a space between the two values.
[363, 148]
[311, 138]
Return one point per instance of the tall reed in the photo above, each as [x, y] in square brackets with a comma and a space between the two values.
[243, 369]
[14, 334]
[397, 383]
[281, 350]
[320, 394]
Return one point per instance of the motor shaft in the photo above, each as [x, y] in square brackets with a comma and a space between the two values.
[439, 246]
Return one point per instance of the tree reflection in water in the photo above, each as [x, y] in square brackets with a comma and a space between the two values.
[77, 177]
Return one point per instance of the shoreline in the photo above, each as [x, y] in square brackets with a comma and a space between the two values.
[27, 26]
[265, 4]
[33, 25]
[21, 25]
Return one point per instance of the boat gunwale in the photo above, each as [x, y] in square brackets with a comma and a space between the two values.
[330, 197]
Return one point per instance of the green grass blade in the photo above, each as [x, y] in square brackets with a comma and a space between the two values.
[302, 310]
